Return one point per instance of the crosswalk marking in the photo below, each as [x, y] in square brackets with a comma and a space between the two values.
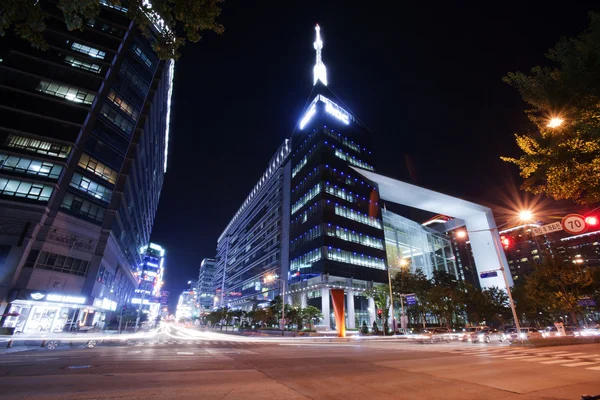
[578, 364]
[535, 359]
[517, 357]
[594, 368]
[552, 362]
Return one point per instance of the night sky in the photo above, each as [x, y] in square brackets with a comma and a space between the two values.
[425, 79]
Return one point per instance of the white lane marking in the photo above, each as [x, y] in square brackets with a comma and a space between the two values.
[517, 357]
[571, 354]
[579, 364]
[594, 368]
[535, 359]
[321, 344]
[553, 362]
[185, 353]
[134, 352]
[47, 358]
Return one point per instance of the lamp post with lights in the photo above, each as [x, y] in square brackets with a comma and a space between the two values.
[271, 278]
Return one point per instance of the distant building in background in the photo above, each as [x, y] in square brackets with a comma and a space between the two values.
[186, 306]
[151, 281]
[204, 285]
[83, 152]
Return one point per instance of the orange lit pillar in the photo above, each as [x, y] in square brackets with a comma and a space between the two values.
[337, 295]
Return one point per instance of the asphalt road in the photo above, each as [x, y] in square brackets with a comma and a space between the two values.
[175, 363]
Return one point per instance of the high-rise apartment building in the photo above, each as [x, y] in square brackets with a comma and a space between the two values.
[83, 145]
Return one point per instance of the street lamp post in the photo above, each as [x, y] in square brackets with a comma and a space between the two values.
[270, 278]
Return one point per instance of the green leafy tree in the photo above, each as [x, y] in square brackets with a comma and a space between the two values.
[444, 298]
[311, 314]
[416, 282]
[559, 285]
[563, 161]
[180, 21]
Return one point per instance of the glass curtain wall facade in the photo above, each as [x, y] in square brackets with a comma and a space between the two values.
[83, 138]
[255, 243]
[410, 244]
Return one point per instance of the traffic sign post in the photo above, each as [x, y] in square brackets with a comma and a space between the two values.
[574, 224]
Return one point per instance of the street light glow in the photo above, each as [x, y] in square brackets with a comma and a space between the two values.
[525, 215]
[555, 122]
[461, 234]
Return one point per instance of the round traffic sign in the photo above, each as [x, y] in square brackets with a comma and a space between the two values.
[574, 224]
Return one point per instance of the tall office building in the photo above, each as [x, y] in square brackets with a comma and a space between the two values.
[254, 245]
[148, 293]
[83, 144]
[204, 284]
[336, 227]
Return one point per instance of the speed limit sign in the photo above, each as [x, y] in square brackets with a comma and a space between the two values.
[574, 224]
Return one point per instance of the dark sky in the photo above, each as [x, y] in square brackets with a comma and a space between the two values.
[425, 78]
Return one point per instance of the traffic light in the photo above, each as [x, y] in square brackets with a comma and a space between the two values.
[591, 221]
[506, 242]
[379, 313]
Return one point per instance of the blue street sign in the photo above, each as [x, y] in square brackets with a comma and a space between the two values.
[488, 274]
[410, 300]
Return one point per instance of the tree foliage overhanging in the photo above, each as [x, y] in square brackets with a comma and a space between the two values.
[563, 162]
[183, 19]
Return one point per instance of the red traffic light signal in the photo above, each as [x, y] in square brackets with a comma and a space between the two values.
[506, 242]
[379, 311]
[592, 220]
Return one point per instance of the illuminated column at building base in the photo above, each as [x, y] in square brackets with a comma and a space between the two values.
[350, 306]
[371, 311]
[325, 307]
[337, 295]
[303, 300]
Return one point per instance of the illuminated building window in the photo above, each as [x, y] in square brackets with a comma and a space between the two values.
[32, 167]
[70, 93]
[354, 258]
[353, 160]
[81, 64]
[299, 166]
[348, 143]
[357, 216]
[92, 188]
[341, 193]
[83, 207]
[17, 188]
[117, 119]
[38, 146]
[306, 198]
[306, 237]
[353, 236]
[90, 51]
[95, 166]
[306, 260]
[113, 6]
[142, 56]
[123, 105]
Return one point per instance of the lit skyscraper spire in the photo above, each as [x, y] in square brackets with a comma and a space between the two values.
[319, 71]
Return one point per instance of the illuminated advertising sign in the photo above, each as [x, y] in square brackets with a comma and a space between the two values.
[65, 298]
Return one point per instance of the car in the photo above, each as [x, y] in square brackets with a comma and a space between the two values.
[590, 332]
[433, 335]
[553, 332]
[487, 335]
[466, 333]
[526, 333]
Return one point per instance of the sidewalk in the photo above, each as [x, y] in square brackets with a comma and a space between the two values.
[18, 349]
